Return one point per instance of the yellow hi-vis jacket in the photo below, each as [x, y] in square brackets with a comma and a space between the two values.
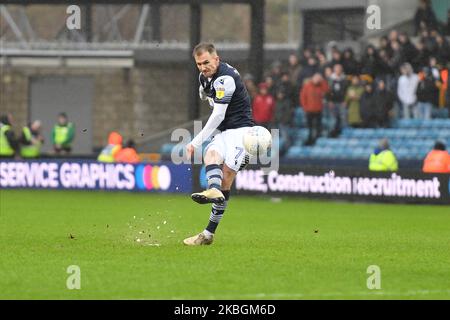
[5, 147]
[383, 161]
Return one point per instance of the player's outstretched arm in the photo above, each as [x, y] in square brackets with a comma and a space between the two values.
[215, 119]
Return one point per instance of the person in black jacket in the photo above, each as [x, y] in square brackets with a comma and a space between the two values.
[425, 17]
[370, 62]
[384, 100]
[349, 63]
[409, 51]
[422, 56]
[442, 50]
[427, 94]
[307, 72]
[336, 97]
[368, 107]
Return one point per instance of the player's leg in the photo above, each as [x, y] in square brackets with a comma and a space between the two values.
[234, 160]
[218, 209]
[213, 164]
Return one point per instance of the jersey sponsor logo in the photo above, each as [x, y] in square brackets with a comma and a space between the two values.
[220, 93]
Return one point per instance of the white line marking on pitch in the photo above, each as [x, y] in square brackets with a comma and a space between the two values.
[331, 294]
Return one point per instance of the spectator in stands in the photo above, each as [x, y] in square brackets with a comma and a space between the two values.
[436, 71]
[384, 45]
[284, 110]
[437, 160]
[31, 140]
[284, 85]
[263, 106]
[447, 97]
[284, 113]
[9, 145]
[294, 69]
[368, 107]
[384, 101]
[109, 152]
[429, 41]
[409, 51]
[442, 50]
[352, 102]
[336, 57]
[250, 85]
[424, 17]
[306, 55]
[383, 159]
[427, 94]
[349, 63]
[271, 85]
[322, 62]
[406, 90]
[311, 99]
[393, 36]
[370, 62]
[434, 68]
[336, 96]
[422, 56]
[384, 69]
[275, 72]
[307, 72]
[128, 154]
[63, 135]
[448, 23]
[397, 56]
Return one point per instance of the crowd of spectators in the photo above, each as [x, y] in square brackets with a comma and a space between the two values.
[398, 78]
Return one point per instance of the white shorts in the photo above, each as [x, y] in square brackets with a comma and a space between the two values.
[229, 144]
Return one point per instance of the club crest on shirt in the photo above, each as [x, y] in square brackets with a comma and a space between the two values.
[220, 92]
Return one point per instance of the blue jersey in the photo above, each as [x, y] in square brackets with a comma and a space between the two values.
[226, 87]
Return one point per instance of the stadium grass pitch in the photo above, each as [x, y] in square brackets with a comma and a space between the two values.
[129, 246]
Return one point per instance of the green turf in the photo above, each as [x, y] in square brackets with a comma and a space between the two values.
[293, 249]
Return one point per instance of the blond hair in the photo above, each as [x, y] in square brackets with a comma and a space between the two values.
[204, 47]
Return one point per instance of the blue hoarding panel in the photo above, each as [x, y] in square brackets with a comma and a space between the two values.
[91, 175]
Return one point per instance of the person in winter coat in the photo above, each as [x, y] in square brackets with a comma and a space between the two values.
[384, 100]
[368, 107]
[427, 94]
[406, 90]
[352, 101]
[263, 107]
[336, 96]
[311, 99]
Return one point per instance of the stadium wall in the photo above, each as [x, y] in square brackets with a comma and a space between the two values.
[137, 102]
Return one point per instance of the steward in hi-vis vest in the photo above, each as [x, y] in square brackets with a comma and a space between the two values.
[383, 159]
[31, 140]
[9, 145]
[63, 134]
[109, 152]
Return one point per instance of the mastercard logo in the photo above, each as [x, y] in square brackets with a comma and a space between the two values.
[150, 177]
